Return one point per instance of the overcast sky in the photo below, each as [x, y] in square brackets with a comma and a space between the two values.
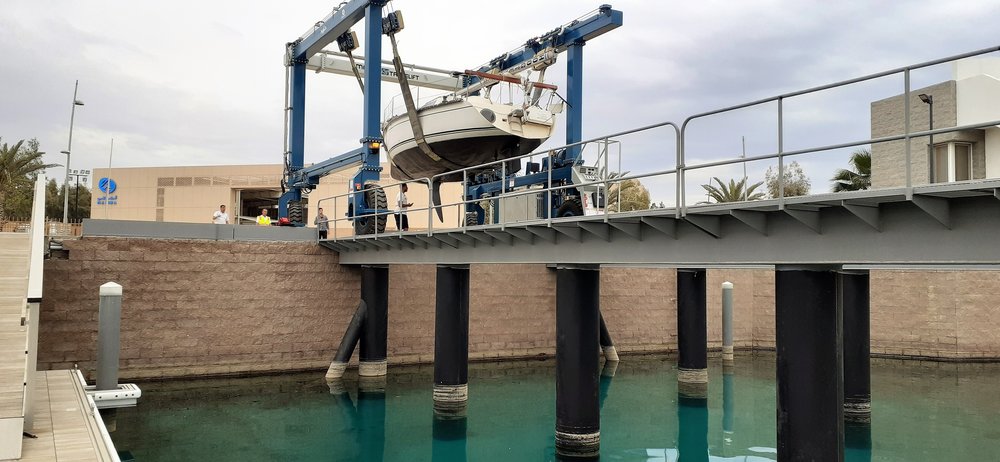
[201, 82]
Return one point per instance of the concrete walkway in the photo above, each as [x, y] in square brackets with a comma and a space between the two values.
[66, 426]
[14, 249]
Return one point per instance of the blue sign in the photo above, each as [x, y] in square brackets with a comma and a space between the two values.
[107, 185]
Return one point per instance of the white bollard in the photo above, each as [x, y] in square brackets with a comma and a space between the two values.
[727, 322]
[108, 336]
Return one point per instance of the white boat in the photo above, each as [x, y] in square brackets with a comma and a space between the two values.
[464, 131]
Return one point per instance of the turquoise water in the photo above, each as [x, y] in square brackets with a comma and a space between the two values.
[921, 411]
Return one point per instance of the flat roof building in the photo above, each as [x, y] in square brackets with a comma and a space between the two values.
[192, 194]
[972, 98]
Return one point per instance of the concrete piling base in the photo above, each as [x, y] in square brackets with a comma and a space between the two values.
[578, 445]
[450, 400]
[372, 368]
[728, 356]
[336, 370]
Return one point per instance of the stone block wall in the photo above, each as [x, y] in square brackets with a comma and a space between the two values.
[938, 314]
[198, 307]
[207, 307]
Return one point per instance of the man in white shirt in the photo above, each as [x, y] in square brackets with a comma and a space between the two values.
[402, 223]
[220, 217]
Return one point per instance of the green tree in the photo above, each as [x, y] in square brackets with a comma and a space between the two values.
[79, 201]
[53, 199]
[20, 164]
[735, 191]
[796, 181]
[628, 195]
[860, 175]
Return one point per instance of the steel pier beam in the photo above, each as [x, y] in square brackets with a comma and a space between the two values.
[347, 343]
[578, 415]
[375, 295]
[857, 346]
[692, 333]
[607, 345]
[451, 340]
[809, 367]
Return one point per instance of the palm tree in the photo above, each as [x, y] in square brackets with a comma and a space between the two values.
[735, 191]
[857, 179]
[628, 195]
[18, 166]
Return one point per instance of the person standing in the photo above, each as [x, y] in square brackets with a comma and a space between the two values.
[402, 222]
[263, 219]
[220, 217]
[322, 223]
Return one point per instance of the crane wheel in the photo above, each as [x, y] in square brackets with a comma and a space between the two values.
[295, 212]
[375, 199]
[570, 208]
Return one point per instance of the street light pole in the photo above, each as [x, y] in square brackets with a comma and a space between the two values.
[69, 148]
[929, 100]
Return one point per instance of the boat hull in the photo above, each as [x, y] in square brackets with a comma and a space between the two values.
[461, 134]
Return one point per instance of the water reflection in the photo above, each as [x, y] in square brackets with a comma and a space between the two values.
[728, 409]
[692, 422]
[857, 442]
[923, 411]
[371, 418]
[607, 374]
[449, 438]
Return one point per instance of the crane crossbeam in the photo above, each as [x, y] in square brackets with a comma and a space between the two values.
[418, 76]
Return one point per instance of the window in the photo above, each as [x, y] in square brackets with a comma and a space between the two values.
[951, 162]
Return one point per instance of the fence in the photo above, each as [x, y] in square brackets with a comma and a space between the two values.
[53, 227]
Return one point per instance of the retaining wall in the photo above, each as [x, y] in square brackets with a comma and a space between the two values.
[220, 307]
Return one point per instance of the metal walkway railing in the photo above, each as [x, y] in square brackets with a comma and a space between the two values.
[676, 172]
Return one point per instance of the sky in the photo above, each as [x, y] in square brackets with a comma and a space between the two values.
[202, 83]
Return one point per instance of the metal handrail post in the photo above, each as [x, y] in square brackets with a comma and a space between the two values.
[465, 199]
[679, 202]
[548, 191]
[503, 191]
[906, 134]
[679, 146]
[607, 189]
[430, 208]
[781, 157]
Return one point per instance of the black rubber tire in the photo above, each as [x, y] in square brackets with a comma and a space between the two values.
[374, 198]
[570, 208]
[295, 212]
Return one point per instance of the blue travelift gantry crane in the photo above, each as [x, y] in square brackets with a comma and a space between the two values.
[569, 38]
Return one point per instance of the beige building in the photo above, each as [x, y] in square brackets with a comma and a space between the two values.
[972, 98]
[193, 194]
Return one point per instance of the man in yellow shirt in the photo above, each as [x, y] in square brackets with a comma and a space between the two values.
[263, 219]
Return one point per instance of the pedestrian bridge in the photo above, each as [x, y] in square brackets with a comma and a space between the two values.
[914, 223]
[949, 224]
